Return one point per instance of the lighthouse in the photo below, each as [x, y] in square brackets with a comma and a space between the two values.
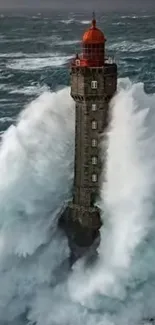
[93, 84]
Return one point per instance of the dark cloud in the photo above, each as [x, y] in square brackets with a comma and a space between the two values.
[78, 4]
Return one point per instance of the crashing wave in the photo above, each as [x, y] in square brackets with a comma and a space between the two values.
[36, 165]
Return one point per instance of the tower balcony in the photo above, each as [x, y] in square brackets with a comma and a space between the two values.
[110, 60]
[93, 81]
[92, 62]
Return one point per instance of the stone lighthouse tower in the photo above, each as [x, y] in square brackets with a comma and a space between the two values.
[93, 83]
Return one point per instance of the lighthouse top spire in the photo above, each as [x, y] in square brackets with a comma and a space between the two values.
[93, 20]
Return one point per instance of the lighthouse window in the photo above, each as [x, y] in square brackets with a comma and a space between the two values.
[94, 125]
[94, 178]
[77, 63]
[94, 143]
[94, 84]
[94, 107]
[94, 160]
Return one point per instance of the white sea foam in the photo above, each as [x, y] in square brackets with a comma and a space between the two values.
[69, 42]
[119, 23]
[5, 87]
[52, 38]
[85, 22]
[128, 46]
[68, 21]
[30, 90]
[8, 55]
[10, 75]
[38, 63]
[6, 119]
[30, 55]
[136, 17]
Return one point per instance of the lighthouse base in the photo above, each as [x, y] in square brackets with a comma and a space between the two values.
[83, 236]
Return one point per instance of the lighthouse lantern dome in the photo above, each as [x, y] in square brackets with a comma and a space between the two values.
[93, 35]
[93, 43]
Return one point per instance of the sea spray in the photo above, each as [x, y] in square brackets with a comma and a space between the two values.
[127, 200]
[36, 166]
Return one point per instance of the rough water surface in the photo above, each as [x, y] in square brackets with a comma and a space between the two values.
[36, 168]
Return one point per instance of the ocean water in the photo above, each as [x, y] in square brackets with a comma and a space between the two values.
[36, 174]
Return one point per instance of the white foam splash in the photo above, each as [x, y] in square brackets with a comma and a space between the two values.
[33, 165]
[28, 157]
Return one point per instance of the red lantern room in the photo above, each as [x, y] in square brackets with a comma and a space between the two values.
[93, 46]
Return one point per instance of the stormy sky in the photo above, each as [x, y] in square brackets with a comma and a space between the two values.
[78, 4]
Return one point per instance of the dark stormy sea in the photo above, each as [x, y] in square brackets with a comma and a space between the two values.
[36, 174]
